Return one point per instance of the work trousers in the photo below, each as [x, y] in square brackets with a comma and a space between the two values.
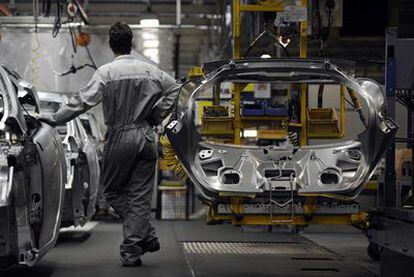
[129, 171]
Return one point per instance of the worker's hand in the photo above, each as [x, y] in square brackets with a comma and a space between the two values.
[48, 119]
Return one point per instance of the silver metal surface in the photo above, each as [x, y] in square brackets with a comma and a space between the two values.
[82, 159]
[252, 248]
[336, 169]
[298, 208]
[32, 175]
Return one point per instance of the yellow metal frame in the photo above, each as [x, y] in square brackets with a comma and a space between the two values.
[303, 53]
[266, 6]
[237, 217]
[195, 72]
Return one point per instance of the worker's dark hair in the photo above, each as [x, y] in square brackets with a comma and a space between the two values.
[120, 38]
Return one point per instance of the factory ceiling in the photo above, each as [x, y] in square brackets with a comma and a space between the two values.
[204, 34]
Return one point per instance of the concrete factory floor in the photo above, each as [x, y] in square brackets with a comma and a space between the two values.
[194, 249]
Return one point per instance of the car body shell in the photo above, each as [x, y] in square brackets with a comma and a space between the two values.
[82, 159]
[94, 130]
[336, 169]
[32, 175]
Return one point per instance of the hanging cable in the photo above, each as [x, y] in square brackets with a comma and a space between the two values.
[72, 35]
[58, 20]
[90, 57]
[82, 12]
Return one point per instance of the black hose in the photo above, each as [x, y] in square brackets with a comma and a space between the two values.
[178, 97]
[90, 57]
[73, 38]
[58, 20]
[320, 95]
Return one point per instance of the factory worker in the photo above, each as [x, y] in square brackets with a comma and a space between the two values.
[135, 96]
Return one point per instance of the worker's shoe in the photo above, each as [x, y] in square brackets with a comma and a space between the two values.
[130, 253]
[138, 262]
[151, 246]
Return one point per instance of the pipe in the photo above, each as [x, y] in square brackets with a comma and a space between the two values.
[12, 5]
[342, 112]
[36, 11]
[178, 19]
[320, 95]
[177, 55]
[13, 22]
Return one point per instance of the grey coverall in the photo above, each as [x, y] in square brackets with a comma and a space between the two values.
[133, 93]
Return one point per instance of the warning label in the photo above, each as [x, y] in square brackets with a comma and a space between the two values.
[291, 14]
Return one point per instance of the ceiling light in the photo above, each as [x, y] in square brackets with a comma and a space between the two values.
[228, 15]
[149, 36]
[151, 52]
[265, 56]
[154, 43]
[149, 23]
[250, 133]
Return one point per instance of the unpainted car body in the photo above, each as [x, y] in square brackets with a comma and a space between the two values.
[336, 169]
[82, 159]
[93, 129]
[96, 133]
[32, 175]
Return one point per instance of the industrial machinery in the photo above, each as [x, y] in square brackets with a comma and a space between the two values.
[391, 223]
[32, 175]
[279, 179]
[82, 159]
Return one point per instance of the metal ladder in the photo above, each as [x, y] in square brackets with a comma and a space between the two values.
[284, 204]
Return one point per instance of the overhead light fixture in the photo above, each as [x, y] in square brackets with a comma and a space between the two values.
[151, 52]
[228, 16]
[149, 23]
[146, 35]
[153, 43]
[265, 56]
[250, 133]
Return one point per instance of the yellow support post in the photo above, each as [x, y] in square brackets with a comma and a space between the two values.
[237, 88]
[303, 88]
[303, 117]
[236, 55]
[236, 208]
[310, 205]
[342, 112]
[236, 29]
[303, 34]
